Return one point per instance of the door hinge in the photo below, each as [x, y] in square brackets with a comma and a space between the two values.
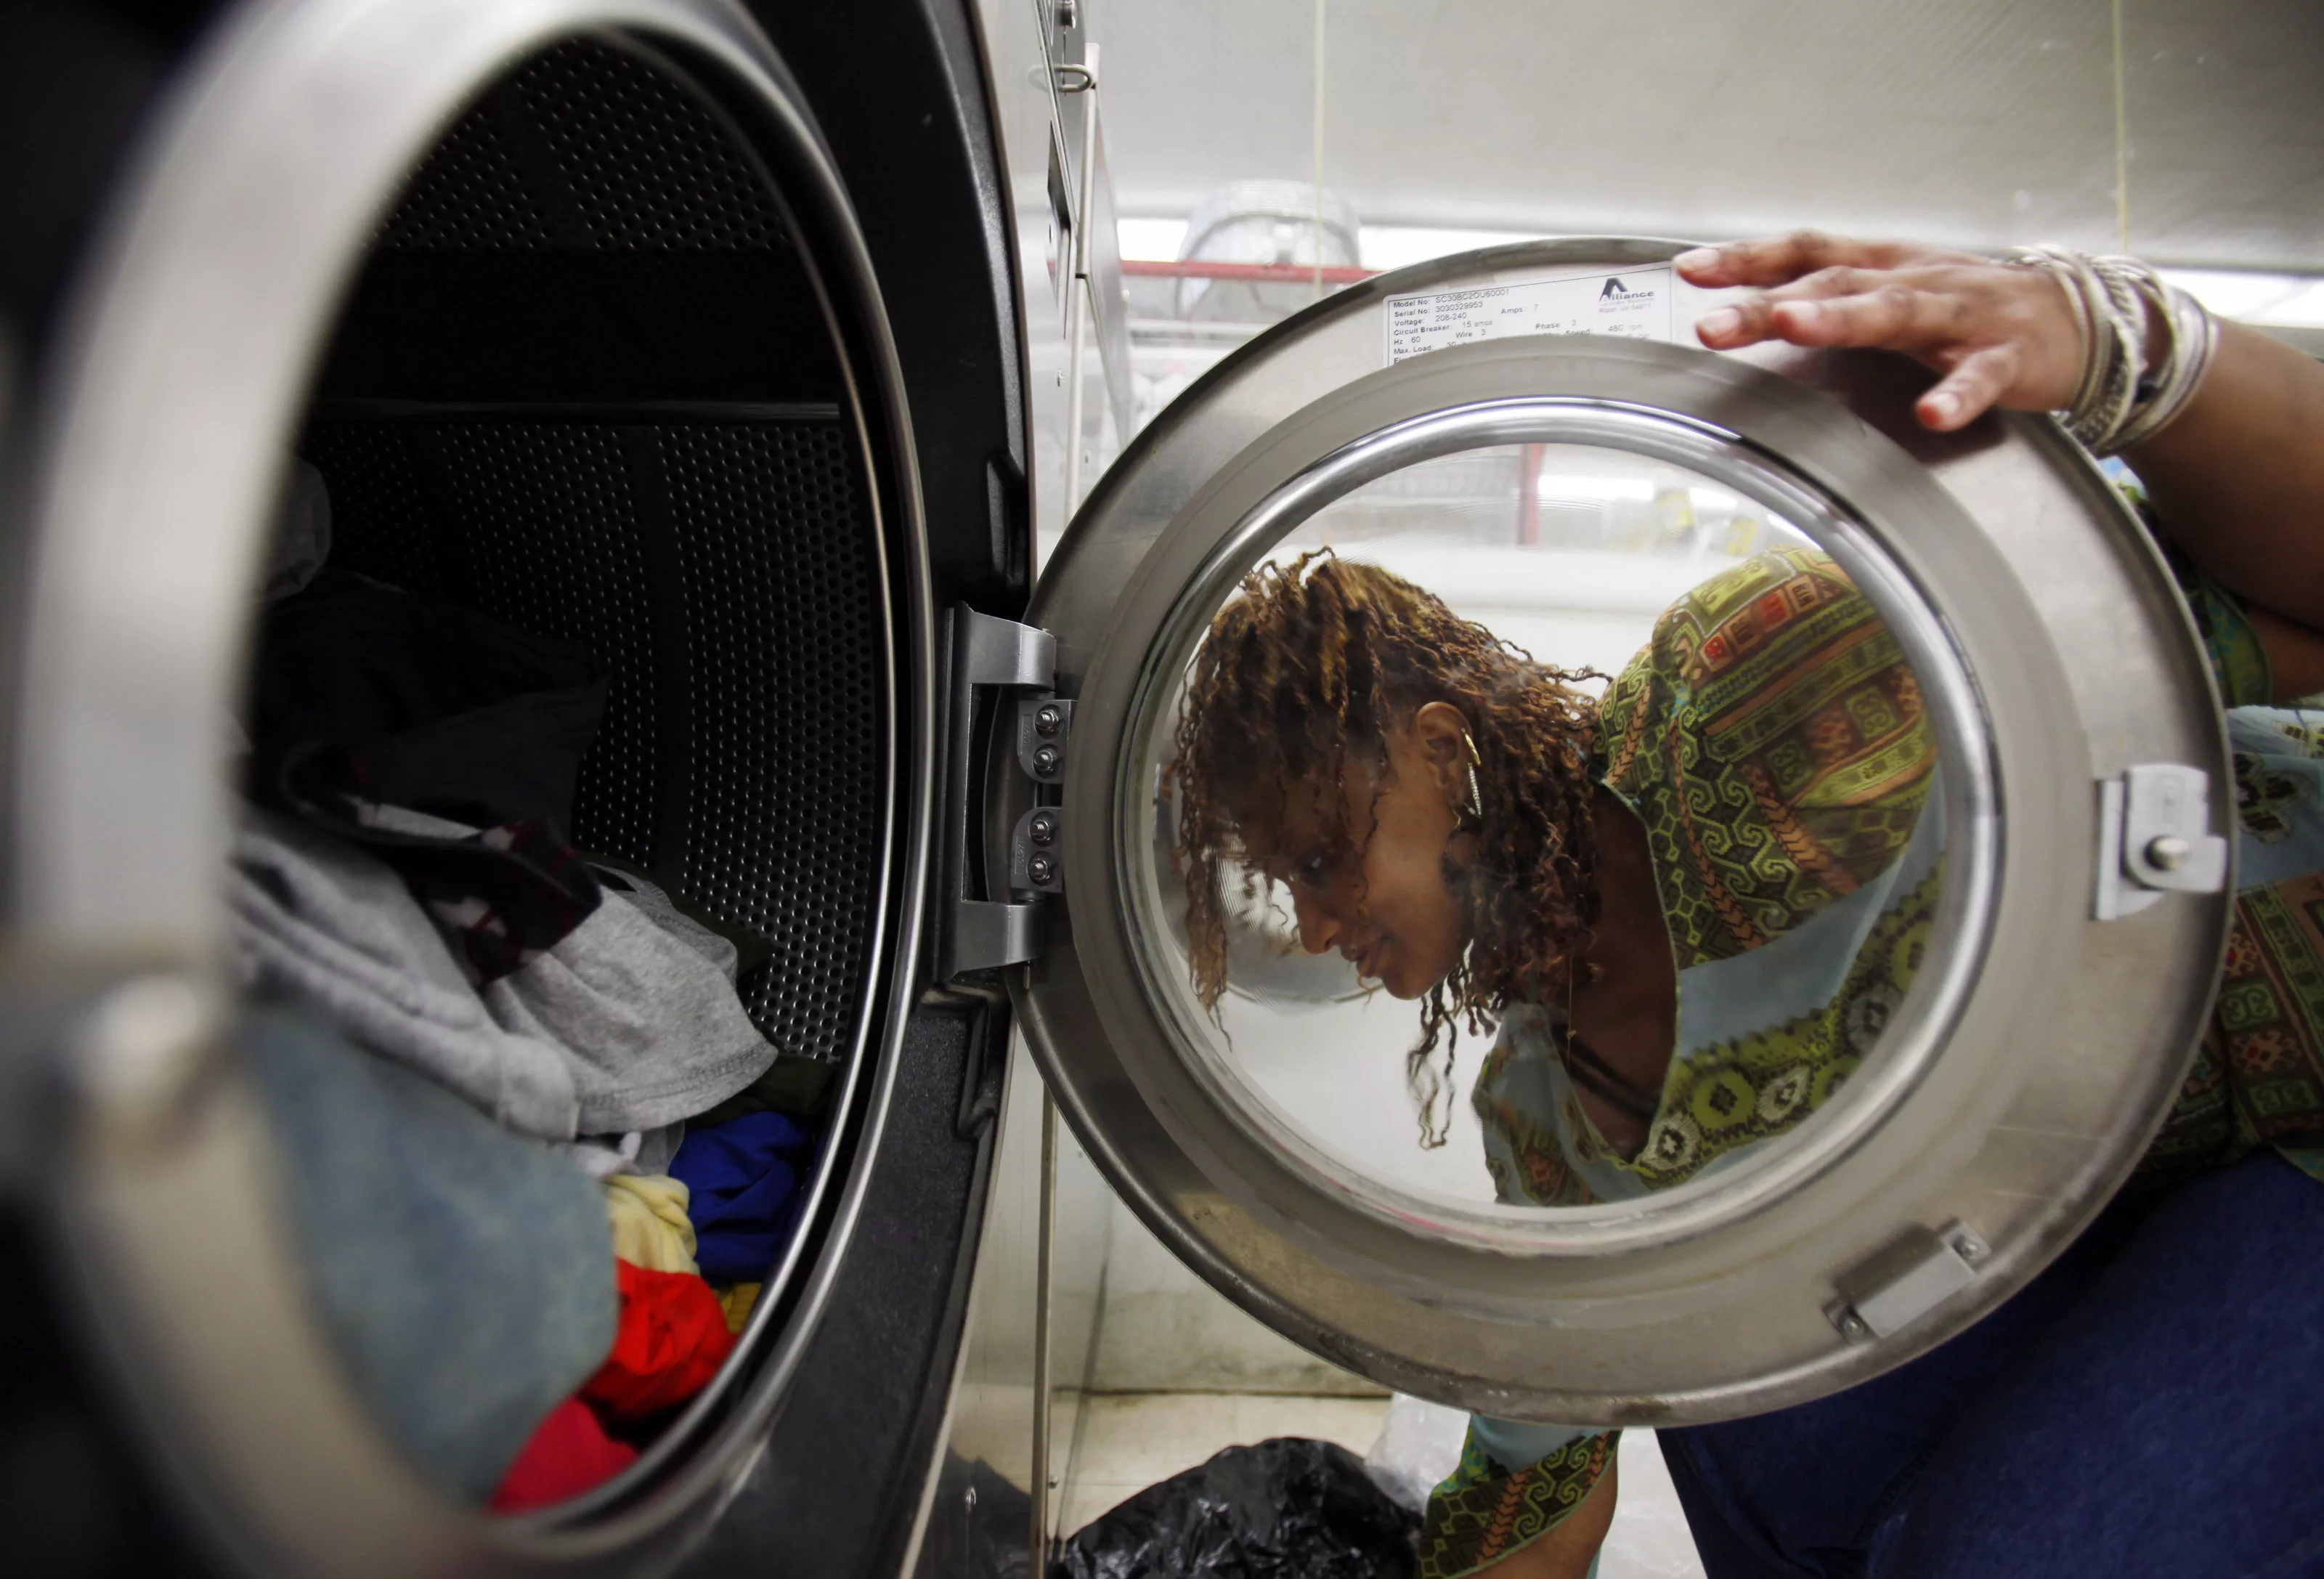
[2155, 837]
[1034, 862]
[1017, 665]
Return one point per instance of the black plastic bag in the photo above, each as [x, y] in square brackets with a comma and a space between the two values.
[1285, 1509]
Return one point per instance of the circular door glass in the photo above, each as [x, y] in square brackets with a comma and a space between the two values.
[1535, 828]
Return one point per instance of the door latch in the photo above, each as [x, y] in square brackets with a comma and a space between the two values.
[2155, 837]
[1006, 659]
[1905, 1282]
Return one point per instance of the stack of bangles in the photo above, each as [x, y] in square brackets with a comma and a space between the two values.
[2128, 392]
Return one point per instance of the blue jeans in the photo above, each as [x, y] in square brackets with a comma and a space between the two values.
[2152, 1404]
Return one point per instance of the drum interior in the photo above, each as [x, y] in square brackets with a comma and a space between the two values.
[584, 384]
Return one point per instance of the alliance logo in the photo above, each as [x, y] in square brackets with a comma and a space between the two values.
[1615, 292]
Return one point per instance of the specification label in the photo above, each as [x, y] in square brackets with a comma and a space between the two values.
[1636, 302]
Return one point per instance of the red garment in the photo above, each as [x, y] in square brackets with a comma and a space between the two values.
[672, 1338]
[567, 1453]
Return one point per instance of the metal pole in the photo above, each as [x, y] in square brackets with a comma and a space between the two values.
[2121, 142]
[1529, 495]
[1043, 1270]
[1320, 6]
[1081, 79]
[1084, 81]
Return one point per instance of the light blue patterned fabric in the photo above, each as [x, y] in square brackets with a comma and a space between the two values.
[2279, 794]
[1720, 1002]
[1514, 1444]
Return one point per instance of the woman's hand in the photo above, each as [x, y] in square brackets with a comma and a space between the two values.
[2001, 335]
[2237, 478]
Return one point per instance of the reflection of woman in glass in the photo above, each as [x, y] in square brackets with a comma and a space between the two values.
[1692, 907]
[1625, 886]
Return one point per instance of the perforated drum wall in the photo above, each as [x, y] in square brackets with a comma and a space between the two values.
[726, 577]
[586, 147]
[584, 387]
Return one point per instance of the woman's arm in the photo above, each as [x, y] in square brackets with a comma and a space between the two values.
[2237, 478]
[1544, 1519]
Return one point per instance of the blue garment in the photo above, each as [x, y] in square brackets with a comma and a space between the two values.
[2148, 1405]
[464, 1275]
[743, 1178]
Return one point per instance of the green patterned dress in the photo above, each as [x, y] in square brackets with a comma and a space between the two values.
[1773, 743]
[2258, 1077]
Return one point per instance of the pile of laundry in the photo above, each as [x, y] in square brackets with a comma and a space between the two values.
[537, 1157]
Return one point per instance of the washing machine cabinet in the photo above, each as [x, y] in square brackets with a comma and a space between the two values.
[715, 337]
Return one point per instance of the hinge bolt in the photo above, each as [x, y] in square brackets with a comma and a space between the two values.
[1042, 868]
[1044, 830]
[1048, 720]
[1046, 761]
[2170, 852]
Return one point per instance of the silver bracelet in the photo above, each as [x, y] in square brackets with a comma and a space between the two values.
[2126, 392]
[2194, 334]
[2055, 262]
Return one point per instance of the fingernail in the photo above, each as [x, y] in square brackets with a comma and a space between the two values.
[1701, 257]
[1718, 324]
[1944, 408]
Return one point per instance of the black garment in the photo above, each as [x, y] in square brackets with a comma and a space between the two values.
[795, 1086]
[364, 696]
[438, 708]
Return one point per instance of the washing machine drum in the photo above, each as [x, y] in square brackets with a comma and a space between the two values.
[548, 335]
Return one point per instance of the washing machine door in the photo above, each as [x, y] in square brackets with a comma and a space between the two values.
[1914, 731]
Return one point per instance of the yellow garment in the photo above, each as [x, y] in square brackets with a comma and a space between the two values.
[649, 1224]
[736, 1302]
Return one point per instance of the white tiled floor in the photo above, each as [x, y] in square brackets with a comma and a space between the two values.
[1128, 1441]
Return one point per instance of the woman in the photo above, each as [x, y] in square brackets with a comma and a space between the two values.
[1470, 831]
[1609, 881]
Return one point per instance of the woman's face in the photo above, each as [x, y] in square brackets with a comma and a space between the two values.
[1379, 897]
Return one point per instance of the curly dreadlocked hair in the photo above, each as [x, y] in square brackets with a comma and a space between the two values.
[1301, 679]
